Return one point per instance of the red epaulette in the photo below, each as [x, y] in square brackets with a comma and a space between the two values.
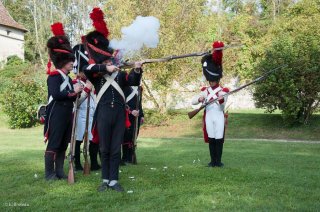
[203, 88]
[226, 90]
[53, 73]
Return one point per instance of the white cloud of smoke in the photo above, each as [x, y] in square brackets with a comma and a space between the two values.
[142, 32]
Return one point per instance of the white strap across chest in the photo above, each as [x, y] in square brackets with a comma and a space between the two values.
[213, 93]
[65, 82]
[133, 93]
[110, 81]
[63, 85]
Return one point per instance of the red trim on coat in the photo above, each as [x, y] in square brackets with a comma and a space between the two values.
[127, 122]
[95, 135]
[53, 73]
[87, 90]
[72, 94]
[226, 90]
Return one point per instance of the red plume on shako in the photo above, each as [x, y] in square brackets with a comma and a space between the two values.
[212, 64]
[97, 41]
[59, 48]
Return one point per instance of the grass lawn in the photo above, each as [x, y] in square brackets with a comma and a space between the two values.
[171, 175]
[241, 124]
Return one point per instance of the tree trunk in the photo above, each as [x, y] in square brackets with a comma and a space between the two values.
[36, 31]
[153, 99]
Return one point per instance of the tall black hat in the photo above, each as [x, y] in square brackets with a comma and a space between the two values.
[82, 58]
[97, 42]
[60, 51]
[212, 64]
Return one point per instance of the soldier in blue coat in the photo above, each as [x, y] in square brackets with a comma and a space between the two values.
[110, 116]
[61, 95]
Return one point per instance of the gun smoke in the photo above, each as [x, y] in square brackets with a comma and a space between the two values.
[142, 32]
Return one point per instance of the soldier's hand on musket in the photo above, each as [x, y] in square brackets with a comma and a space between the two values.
[89, 85]
[112, 68]
[201, 99]
[135, 113]
[220, 98]
[77, 87]
[141, 121]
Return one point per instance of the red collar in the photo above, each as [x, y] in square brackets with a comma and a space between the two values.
[214, 87]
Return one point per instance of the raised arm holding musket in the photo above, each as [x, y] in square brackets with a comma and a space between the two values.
[61, 95]
[110, 117]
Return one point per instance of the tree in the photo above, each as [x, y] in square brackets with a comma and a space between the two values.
[183, 30]
[295, 40]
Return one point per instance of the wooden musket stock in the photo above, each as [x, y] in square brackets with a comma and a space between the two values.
[86, 167]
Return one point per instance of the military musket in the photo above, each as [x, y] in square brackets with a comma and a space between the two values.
[73, 137]
[264, 76]
[86, 168]
[174, 57]
[136, 128]
[72, 143]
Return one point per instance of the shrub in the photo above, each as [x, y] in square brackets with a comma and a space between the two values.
[294, 90]
[20, 102]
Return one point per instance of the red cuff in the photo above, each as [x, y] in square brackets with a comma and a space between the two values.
[72, 94]
[221, 101]
[87, 90]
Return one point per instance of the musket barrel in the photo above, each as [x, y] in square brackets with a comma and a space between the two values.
[194, 112]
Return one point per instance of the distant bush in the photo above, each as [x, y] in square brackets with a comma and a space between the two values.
[20, 102]
[13, 68]
[294, 90]
[154, 117]
[22, 89]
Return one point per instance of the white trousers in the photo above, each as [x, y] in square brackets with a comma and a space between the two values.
[215, 123]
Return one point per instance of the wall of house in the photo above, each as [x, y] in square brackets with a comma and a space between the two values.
[11, 42]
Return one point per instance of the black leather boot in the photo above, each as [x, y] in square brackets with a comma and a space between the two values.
[77, 162]
[60, 156]
[93, 152]
[211, 150]
[219, 155]
[49, 158]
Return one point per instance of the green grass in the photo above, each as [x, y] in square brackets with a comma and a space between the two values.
[241, 124]
[258, 176]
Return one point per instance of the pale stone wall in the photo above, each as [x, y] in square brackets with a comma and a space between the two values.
[181, 98]
[11, 42]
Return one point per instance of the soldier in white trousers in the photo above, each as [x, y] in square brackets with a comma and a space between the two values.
[88, 92]
[213, 119]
